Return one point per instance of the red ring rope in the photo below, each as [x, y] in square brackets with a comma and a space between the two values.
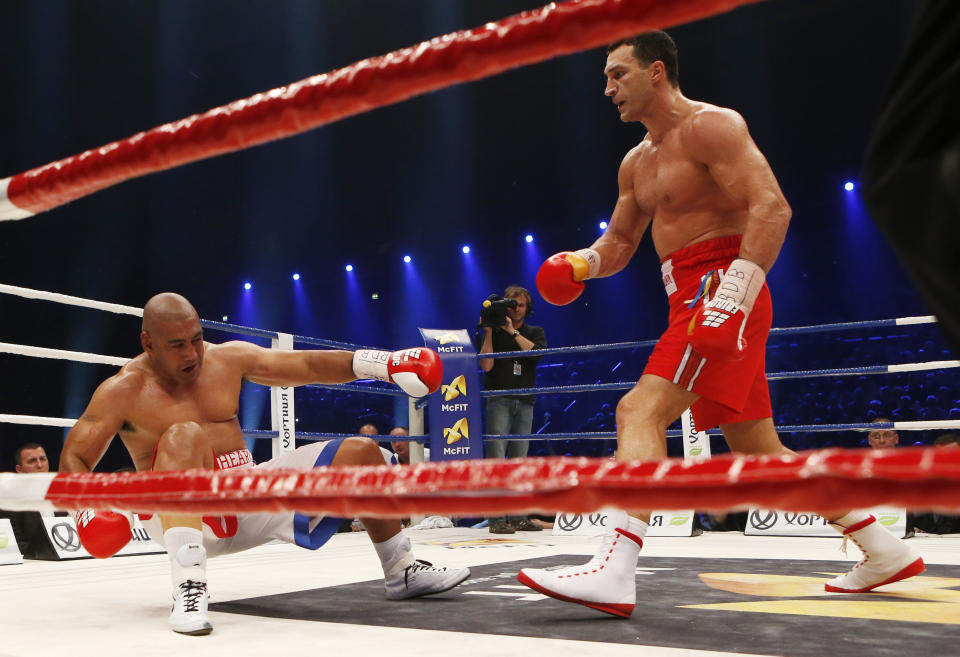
[526, 38]
[824, 480]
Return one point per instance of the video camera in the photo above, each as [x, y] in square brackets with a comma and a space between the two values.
[494, 313]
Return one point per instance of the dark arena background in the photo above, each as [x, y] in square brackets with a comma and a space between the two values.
[409, 216]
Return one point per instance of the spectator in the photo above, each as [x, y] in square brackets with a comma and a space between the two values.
[951, 440]
[402, 447]
[882, 438]
[368, 430]
[512, 414]
[28, 526]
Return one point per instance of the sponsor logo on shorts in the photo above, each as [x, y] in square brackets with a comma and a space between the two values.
[234, 459]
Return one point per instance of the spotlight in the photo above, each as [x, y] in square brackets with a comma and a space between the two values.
[296, 277]
[374, 296]
[466, 248]
[407, 258]
[225, 318]
[247, 286]
[603, 225]
[528, 238]
[349, 268]
[849, 186]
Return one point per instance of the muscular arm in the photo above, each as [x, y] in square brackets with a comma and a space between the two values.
[95, 429]
[276, 367]
[627, 224]
[721, 141]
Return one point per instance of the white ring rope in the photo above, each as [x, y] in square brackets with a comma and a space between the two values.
[62, 354]
[37, 420]
[84, 357]
[27, 293]
[929, 365]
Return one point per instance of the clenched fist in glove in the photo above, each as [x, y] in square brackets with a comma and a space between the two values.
[717, 329]
[418, 371]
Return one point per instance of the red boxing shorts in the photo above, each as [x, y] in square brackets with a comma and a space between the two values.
[729, 392]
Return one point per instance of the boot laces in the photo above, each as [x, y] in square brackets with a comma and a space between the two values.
[191, 592]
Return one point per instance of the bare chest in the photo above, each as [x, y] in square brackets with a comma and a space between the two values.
[156, 409]
[667, 181]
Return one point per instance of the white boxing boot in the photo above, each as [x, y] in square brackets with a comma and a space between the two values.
[886, 558]
[422, 578]
[189, 612]
[608, 582]
[406, 577]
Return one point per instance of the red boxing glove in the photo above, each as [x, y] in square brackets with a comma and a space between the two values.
[103, 533]
[716, 330]
[418, 371]
[560, 278]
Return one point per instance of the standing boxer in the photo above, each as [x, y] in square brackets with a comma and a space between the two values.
[718, 219]
[175, 408]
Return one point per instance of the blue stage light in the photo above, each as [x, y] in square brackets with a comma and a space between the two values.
[349, 268]
[247, 286]
[466, 248]
[407, 258]
[603, 225]
[296, 277]
[528, 238]
[849, 186]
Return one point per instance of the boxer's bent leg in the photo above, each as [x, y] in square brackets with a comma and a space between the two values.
[181, 447]
[363, 451]
[643, 415]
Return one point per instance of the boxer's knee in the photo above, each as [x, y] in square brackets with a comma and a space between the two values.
[358, 451]
[635, 407]
[183, 445]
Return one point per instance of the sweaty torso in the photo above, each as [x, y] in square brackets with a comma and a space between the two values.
[151, 406]
[678, 192]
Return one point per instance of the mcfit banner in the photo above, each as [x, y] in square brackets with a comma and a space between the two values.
[455, 429]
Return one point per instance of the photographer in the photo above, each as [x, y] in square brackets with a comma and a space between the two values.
[505, 329]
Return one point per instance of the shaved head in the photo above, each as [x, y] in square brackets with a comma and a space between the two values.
[166, 307]
[172, 337]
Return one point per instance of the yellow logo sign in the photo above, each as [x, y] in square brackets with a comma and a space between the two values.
[456, 388]
[447, 338]
[457, 431]
[918, 599]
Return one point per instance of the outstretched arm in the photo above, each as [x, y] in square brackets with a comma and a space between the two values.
[277, 367]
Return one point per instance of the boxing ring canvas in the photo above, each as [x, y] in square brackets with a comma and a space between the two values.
[705, 596]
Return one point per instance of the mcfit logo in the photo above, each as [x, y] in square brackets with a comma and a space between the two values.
[457, 431]
[447, 338]
[456, 388]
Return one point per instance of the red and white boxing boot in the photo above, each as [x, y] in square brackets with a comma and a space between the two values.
[608, 582]
[886, 558]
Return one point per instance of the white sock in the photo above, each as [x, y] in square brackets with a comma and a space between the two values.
[188, 558]
[395, 554]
